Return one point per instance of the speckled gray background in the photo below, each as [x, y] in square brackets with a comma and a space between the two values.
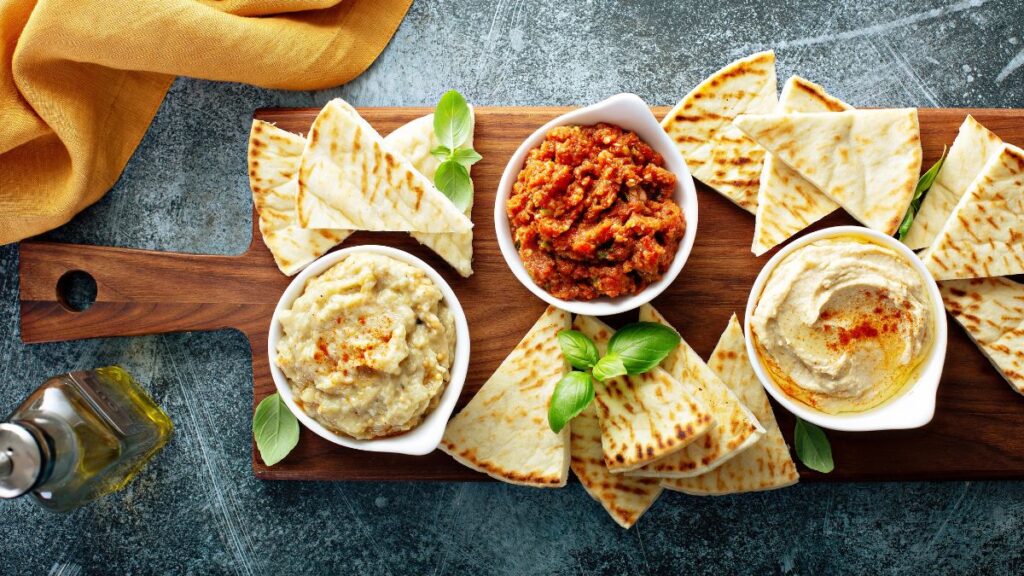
[198, 509]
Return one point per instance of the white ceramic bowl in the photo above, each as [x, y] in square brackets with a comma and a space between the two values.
[915, 404]
[631, 113]
[420, 440]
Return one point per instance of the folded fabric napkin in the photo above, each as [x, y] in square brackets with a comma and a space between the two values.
[80, 80]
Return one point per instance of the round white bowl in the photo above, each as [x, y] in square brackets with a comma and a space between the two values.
[914, 406]
[422, 439]
[631, 113]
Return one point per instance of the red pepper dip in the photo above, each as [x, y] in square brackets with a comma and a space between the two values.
[592, 213]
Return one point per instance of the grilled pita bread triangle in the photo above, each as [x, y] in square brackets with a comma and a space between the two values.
[867, 161]
[414, 141]
[716, 152]
[643, 417]
[736, 428]
[624, 497]
[274, 156]
[786, 202]
[991, 310]
[973, 147]
[767, 464]
[363, 184]
[503, 431]
[984, 236]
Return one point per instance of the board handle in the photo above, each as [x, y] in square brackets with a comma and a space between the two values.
[143, 292]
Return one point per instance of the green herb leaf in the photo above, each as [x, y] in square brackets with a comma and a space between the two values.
[453, 180]
[609, 366]
[572, 395]
[452, 120]
[442, 153]
[643, 345]
[466, 156]
[812, 447]
[579, 350]
[923, 185]
[275, 428]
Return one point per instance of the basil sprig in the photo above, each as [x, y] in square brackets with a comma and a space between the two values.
[635, 349]
[275, 428]
[923, 185]
[812, 447]
[453, 125]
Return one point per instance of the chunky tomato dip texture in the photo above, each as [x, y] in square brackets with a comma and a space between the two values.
[592, 213]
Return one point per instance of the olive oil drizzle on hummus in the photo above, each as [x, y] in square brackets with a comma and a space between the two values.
[843, 324]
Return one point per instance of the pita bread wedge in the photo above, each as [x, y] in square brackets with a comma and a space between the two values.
[736, 428]
[503, 431]
[364, 185]
[984, 236]
[274, 157]
[643, 417]
[414, 141]
[716, 152]
[991, 310]
[767, 464]
[624, 497]
[786, 202]
[867, 161]
[973, 147]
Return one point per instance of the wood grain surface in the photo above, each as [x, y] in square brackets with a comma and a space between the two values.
[978, 430]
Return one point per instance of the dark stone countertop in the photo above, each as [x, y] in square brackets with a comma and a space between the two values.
[198, 509]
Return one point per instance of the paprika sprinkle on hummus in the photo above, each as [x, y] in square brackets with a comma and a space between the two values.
[843, 324]
[592, 213]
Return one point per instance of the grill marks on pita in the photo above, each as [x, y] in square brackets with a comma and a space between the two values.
[867, 161]
[363, 184]
[984, 236]
[414, 141]
[503, 431]
[274, 156]
[971, 150]
[644, 417]
[991, 310]
[767, 464]
[701, 125]
[736, 429]
[786, 202]
[624, 497]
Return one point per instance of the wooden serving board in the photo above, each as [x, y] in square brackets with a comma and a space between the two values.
[978, 430]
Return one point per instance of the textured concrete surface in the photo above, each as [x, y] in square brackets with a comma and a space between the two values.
[198, 509]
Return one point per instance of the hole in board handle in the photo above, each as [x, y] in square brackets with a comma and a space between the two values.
[76, 290]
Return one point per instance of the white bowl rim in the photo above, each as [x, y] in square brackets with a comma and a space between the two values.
[642, 121]
[915, 405]
[425, 437]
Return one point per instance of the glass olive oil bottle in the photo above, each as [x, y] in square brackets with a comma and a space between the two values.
[78, 437]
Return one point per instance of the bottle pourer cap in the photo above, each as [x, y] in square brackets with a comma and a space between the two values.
[21, 460]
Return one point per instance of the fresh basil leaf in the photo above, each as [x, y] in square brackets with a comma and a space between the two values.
[466, 156]
[643, 345]
[275, 428]
[580, 351]
[924, 183]
[572, 395]
[442, 153]
[452, 120]
[812, 447]
[608, 367]
[453, 180]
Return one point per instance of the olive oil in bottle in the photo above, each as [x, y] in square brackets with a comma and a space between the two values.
[78, 437]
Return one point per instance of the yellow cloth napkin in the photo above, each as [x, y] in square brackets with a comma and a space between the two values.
[81, 80]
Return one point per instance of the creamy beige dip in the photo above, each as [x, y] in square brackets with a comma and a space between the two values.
[368, 346]
[843, 324]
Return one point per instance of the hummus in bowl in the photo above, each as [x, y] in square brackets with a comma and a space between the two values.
[369, 348]
[845, 324]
